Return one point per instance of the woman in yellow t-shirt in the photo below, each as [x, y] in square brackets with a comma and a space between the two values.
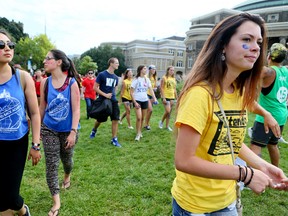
[228, 69]
[168, 95]
[126, 96]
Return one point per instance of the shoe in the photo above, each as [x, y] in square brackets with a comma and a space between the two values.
[160, 124]
[282, 140]
[169, 129]
[147, 127]
[93, 133]
[54, 212]
[65, 185]
[27, 210]
[130, 127]
[115, 142]
[120, 122]
[141, 135]
[137, 138]
[250, 131]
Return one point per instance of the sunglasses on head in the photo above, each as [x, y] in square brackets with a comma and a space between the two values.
[10, 44]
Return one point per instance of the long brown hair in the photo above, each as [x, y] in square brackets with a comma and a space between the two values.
[209, 67]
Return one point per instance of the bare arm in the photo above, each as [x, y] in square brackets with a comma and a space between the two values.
[32, 103]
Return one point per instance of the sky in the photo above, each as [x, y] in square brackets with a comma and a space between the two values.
[76, 26]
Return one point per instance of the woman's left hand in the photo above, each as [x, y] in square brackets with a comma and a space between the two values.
[71, 139]
[35, 155]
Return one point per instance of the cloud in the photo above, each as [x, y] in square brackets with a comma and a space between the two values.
[76, 26]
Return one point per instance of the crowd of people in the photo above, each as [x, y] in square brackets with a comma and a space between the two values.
[212, 110]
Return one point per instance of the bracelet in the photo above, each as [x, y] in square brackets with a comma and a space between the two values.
[36, 148]
[252, 173]
[73, 129]
[246, 173]
[240, 173]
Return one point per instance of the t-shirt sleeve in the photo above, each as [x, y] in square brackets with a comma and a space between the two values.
[194, 109]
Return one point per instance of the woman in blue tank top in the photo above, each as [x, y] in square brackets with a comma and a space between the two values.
[16, 89]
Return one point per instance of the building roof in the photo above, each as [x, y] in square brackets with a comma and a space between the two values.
[257, 4]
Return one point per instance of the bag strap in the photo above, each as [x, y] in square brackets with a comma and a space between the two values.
[228, 130]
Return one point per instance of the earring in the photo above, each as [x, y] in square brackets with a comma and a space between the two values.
[223, 58]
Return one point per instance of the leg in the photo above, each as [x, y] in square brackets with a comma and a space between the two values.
[88, 105]
[128, 111]
[51, 144]
[274, 154]
[149, 113]
[138, 120]
[167, 113]
[12, 165]
[256, 149]
[143, 114]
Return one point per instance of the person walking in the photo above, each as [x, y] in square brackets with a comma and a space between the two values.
[211, 107]
[126, 96]
[37, 80]
[139, 88]
[273, 98]
[152, 75]
[14, 133]
[168, 94]
[60, 114]
[88, 91]
[105, 87]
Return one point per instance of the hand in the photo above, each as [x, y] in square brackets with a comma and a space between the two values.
[71, 140]
[35, 155]
[270, 122]
[109, 95]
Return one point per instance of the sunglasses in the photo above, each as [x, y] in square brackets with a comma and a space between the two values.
[47, 58]
[90, 73]
[10, 44]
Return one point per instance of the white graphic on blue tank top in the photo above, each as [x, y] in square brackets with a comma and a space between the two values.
[10, 112]
[58, 108]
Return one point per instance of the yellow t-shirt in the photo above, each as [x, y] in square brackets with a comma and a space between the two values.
[203, 195]
[169, 87]
[153, 84]
[126, 93]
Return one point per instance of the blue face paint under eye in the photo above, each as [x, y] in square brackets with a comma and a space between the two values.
[245, 46]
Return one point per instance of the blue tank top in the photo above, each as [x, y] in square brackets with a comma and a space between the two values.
[58, 112]
[13, 122]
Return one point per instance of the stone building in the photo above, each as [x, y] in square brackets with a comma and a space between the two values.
[161, 53]
[274, 12]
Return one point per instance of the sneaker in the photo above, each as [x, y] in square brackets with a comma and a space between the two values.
[137, 138]
[130, 127]
[27, 210]
[93, 133]
[141, 135]
[147, 127]
[115, 142]
[250, 131]
[120, 122]
[160, 124]
[169, 129]
[282, 140]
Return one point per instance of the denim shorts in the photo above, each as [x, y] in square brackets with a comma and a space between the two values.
[228, 211]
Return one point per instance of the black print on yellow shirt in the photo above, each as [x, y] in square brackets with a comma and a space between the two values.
[220, 142]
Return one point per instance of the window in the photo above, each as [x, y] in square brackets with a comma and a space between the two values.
[179, 53]
[190, 61]
[179, 64]
[273, 18]
[171, 51]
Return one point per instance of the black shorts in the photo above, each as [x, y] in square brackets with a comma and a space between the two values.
[115, 113]
[143, 104]
[260, 138]
[126, 100]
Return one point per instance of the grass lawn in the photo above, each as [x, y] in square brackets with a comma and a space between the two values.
[133, 180]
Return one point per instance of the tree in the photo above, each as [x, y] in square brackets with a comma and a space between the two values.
[102, 54]
[86, 64]
[13, 28]
[32, 49]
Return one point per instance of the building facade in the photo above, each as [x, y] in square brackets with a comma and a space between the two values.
[274, 12]
[161, 53]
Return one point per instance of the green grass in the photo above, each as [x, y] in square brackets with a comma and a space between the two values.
[133, 180]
